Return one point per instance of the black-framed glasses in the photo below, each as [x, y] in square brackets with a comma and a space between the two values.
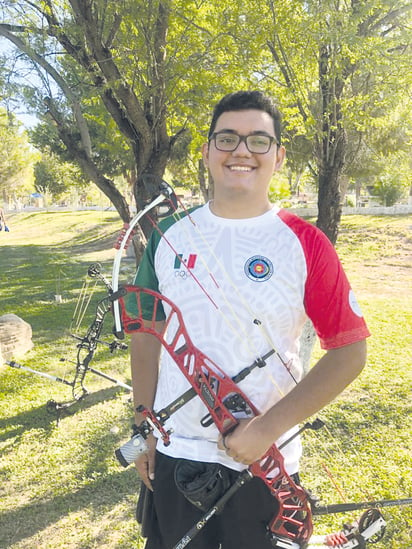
[256, 143]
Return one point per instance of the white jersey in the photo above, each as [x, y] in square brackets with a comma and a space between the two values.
[244, 287]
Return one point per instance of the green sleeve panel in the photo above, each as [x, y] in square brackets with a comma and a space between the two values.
[146, 276]
[146, 273]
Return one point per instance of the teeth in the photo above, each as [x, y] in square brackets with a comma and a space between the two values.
[240, 168]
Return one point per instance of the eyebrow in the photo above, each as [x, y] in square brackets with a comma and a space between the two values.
[256, 132]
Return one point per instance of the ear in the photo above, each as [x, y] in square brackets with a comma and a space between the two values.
[280, 157]
[205, 154]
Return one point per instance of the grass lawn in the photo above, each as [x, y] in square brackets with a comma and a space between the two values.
[60, 486]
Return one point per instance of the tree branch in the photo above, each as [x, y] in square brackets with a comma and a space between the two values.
[87, 164]
[71, 97]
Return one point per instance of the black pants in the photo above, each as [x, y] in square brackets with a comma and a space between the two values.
[168, 515]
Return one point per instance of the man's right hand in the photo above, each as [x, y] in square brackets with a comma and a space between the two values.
[145, 463]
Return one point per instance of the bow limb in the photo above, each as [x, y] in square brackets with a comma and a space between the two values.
[164, 194]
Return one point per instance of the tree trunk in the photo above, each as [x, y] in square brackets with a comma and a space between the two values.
[329, 206]
[330, 149]
[207, 191]
[147, 182]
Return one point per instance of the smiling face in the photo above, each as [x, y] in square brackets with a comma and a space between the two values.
[241, 178]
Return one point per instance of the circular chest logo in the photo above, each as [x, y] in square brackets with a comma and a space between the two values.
[258, 268]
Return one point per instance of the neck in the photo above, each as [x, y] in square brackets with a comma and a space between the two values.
[239, 209]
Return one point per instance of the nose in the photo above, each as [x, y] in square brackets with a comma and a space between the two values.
[241, 149]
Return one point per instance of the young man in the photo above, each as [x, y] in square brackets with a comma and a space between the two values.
[263, 272]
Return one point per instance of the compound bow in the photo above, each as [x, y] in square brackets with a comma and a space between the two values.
[86, 348]
[292, 525]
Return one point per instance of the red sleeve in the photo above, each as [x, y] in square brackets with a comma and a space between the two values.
[329, 300]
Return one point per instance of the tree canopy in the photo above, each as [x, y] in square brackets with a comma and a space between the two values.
[17, 158]
[127, 87]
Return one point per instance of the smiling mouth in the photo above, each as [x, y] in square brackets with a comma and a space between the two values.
[240, 168]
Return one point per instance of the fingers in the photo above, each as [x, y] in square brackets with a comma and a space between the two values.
[244, 444]
[145, 464]
[145, 472]
[224, 444]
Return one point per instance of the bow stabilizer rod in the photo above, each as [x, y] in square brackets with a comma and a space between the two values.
[347, 507]
[14, 364]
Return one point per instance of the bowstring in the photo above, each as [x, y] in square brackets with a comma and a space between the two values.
[243, 301]
[245, 336]
[85, 296]
[123, 243]
[82, 304]
[216, 286]
[87, 291]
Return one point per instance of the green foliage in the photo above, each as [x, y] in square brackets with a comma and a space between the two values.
[389, 189]
[279, 189]
[53, 178]
[175, 59]
[16, 158]
[364, 88]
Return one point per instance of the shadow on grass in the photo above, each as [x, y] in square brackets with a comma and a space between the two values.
[34, 264]
[88, 242]
[42, 418]
[18, 524]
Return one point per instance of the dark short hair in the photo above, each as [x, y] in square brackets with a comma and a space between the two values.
[244, 100]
